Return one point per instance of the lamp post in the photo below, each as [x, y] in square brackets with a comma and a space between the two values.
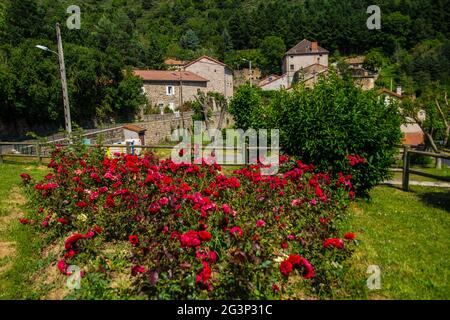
[250, 65]
[62, 70]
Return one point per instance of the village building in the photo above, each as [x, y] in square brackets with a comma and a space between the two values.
[412, 133]
[302, 55]
[170, 88]
[302, 63]
[244, 76]
[362, 77]
[218, 74]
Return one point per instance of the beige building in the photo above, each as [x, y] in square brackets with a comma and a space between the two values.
[170, 88]
[302, 55]
[219, 75]
[362, 77]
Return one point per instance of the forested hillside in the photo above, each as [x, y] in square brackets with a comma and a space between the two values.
[412, 46]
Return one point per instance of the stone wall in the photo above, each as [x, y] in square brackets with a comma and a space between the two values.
[156, 92]
[160, 127]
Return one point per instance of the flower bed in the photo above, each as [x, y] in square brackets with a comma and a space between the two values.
[193, 232]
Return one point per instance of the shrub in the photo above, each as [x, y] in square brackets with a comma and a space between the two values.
[193, 232]
[325, 124]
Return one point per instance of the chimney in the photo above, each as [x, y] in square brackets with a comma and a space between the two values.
[314, 46]
[399, 90]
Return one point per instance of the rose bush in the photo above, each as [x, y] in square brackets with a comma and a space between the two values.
[192, 232]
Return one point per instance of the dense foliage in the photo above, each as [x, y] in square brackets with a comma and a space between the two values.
[413, 43]
[171, 231]
[325, 124]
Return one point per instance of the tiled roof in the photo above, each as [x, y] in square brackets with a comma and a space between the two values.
[171, 76]
[355, 60]
[174, 62]
[209, 58]
[305, 47]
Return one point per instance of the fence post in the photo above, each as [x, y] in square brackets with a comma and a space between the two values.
[1, 154]
[405, 176]
[128, 148]
[38, 151]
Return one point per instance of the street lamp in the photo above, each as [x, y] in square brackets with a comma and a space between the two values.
[250, 63]
[62, 70]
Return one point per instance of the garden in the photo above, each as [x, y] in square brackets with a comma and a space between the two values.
[92, 225]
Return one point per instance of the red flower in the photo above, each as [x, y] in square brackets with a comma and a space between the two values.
[97, 230]
[204, 235]
[26, 178]
[294, 259]
[81, 204]
[134, 240]
[137, 269]
[190, 239]
[260, 223]
[62, 266]
[204, 275]
[284, 245]
[309, 268]
[63, 221]
[333, 242]
[275, 288]
[24, 221]
[237, 231]
[72, 240]
[349, 236]
[285, 268]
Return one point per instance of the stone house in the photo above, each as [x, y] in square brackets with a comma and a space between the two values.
[362, 77]
[274, 82]
[302, 55]
[412, 133]
[219, 75]
[171, 88]
[244, 76]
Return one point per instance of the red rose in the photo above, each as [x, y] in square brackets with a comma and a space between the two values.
[237, 231]
[72, 240]
[284, 245]
[350, 236]
[137, 269]
[63, 221]
[294, 259]
[24, 221]
[285, 268]
[62, 266]
[81, 204]
[333, 242]
[275, 288]
[204, 235]
[309, 268]
[134, 240]
[25, 177]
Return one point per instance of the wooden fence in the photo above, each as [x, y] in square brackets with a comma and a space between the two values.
[407, 151]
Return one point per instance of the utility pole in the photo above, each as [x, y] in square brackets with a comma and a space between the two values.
[181, 99]
[62, 70]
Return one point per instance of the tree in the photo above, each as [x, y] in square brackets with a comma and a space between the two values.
[326, 124]
[272, 49]
[189, 40]
[374, 60]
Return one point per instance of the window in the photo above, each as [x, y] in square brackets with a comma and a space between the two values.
[292, 67]
[170, 90]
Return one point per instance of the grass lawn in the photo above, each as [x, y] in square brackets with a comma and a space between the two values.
[19, 247]
[405, 234]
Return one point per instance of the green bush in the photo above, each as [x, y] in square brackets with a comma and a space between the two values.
[327, 126]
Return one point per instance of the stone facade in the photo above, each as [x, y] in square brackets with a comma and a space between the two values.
[157, 92]
[218, 74]
[160, 127]
[243, 76]
[304, 54]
